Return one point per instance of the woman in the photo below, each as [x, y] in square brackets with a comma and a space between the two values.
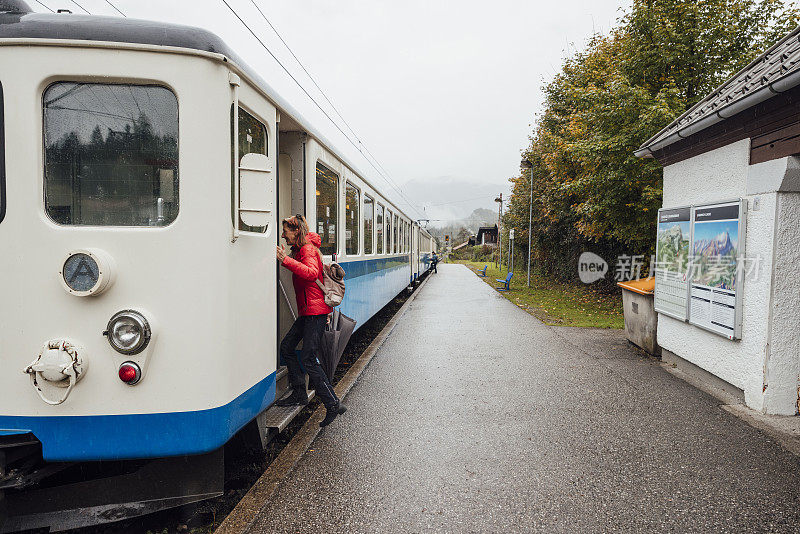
[305, 263]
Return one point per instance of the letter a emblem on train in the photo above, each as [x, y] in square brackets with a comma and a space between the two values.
[83, 269]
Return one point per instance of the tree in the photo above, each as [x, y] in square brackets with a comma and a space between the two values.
[590, 191]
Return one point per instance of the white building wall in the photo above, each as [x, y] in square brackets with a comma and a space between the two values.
[782, 358]
[765, 362]
[718, 175]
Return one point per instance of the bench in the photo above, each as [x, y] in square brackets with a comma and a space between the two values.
[483, 271]
[506, 282]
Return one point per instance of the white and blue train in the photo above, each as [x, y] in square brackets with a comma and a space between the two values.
[144, 170]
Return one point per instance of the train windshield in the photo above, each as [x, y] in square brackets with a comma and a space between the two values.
[111, 154]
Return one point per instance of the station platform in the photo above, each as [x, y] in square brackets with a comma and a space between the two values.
[476, 417]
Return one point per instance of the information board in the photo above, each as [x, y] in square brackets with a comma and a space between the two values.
[672, 262]
[718, 237]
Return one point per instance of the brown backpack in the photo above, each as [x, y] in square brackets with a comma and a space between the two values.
[333, 278]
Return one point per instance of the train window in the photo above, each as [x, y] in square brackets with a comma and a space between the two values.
[352, 219]
[396, 236]
[111, 154]
[2, 159]
[379, 229]
[252, 140]
[327, 193]
[369, 213]
[252, 135]
[389, 234]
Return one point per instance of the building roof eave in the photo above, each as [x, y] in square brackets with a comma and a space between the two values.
[775, 71]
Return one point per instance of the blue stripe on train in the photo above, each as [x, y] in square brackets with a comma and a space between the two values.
[371, 284]
[152, 435]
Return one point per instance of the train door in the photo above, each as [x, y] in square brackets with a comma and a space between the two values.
[415, 249]
[254, 234]
[291, 201]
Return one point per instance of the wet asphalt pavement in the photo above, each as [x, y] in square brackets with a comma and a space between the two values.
[476, 417]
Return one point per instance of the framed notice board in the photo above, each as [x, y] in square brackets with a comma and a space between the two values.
[673, 251]
[716, 281]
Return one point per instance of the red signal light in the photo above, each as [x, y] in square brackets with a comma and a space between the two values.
[130, 373]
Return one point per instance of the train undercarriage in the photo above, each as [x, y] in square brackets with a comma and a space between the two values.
[63, 496]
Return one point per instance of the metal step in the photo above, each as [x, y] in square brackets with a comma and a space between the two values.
[282, 371]
[279, 417]
[281, 381]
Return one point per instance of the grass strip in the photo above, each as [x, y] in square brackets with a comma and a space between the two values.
[556, 303]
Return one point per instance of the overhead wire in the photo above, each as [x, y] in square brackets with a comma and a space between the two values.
[116, 9]
[91, 111]
[135, 101]
[80, 6]
[302, 88]
[44, 6]
[328, 100]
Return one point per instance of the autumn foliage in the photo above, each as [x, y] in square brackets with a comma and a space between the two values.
[589, 191]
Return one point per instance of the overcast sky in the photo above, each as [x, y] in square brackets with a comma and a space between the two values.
[440, 91]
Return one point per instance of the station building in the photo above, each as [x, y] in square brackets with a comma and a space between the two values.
[736, 151]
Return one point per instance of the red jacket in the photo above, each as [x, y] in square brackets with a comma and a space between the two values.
[306, 266]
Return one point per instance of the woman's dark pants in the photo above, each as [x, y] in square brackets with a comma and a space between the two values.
[309, 328]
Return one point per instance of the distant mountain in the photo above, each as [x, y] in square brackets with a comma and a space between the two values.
[719, 246]
[449, 200]
[479, 217]
[460, 230]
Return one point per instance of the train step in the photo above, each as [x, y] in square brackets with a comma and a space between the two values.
[279, 417]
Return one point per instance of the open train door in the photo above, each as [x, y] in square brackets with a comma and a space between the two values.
[415, 251]
[291, 201]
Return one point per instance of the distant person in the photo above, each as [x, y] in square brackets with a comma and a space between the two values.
[434, 261]
[305, 263]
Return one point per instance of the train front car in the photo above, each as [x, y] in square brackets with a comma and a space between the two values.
[132, 326]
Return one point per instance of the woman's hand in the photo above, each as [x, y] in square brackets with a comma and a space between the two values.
[280, 253]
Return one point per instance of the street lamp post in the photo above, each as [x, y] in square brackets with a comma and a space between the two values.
[525, 164]
[499, 231]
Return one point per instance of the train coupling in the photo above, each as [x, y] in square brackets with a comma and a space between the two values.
[59, 367]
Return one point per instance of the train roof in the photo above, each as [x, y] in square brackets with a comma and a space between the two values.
[18, 21]
[20, 24]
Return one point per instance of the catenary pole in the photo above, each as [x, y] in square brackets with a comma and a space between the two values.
[499, 231]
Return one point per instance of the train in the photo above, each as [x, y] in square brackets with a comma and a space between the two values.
[144, 172]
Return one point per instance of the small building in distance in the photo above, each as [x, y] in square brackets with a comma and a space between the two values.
[487, 235]
[727, 289]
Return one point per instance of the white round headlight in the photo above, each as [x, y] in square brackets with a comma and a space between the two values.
[128, 332]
